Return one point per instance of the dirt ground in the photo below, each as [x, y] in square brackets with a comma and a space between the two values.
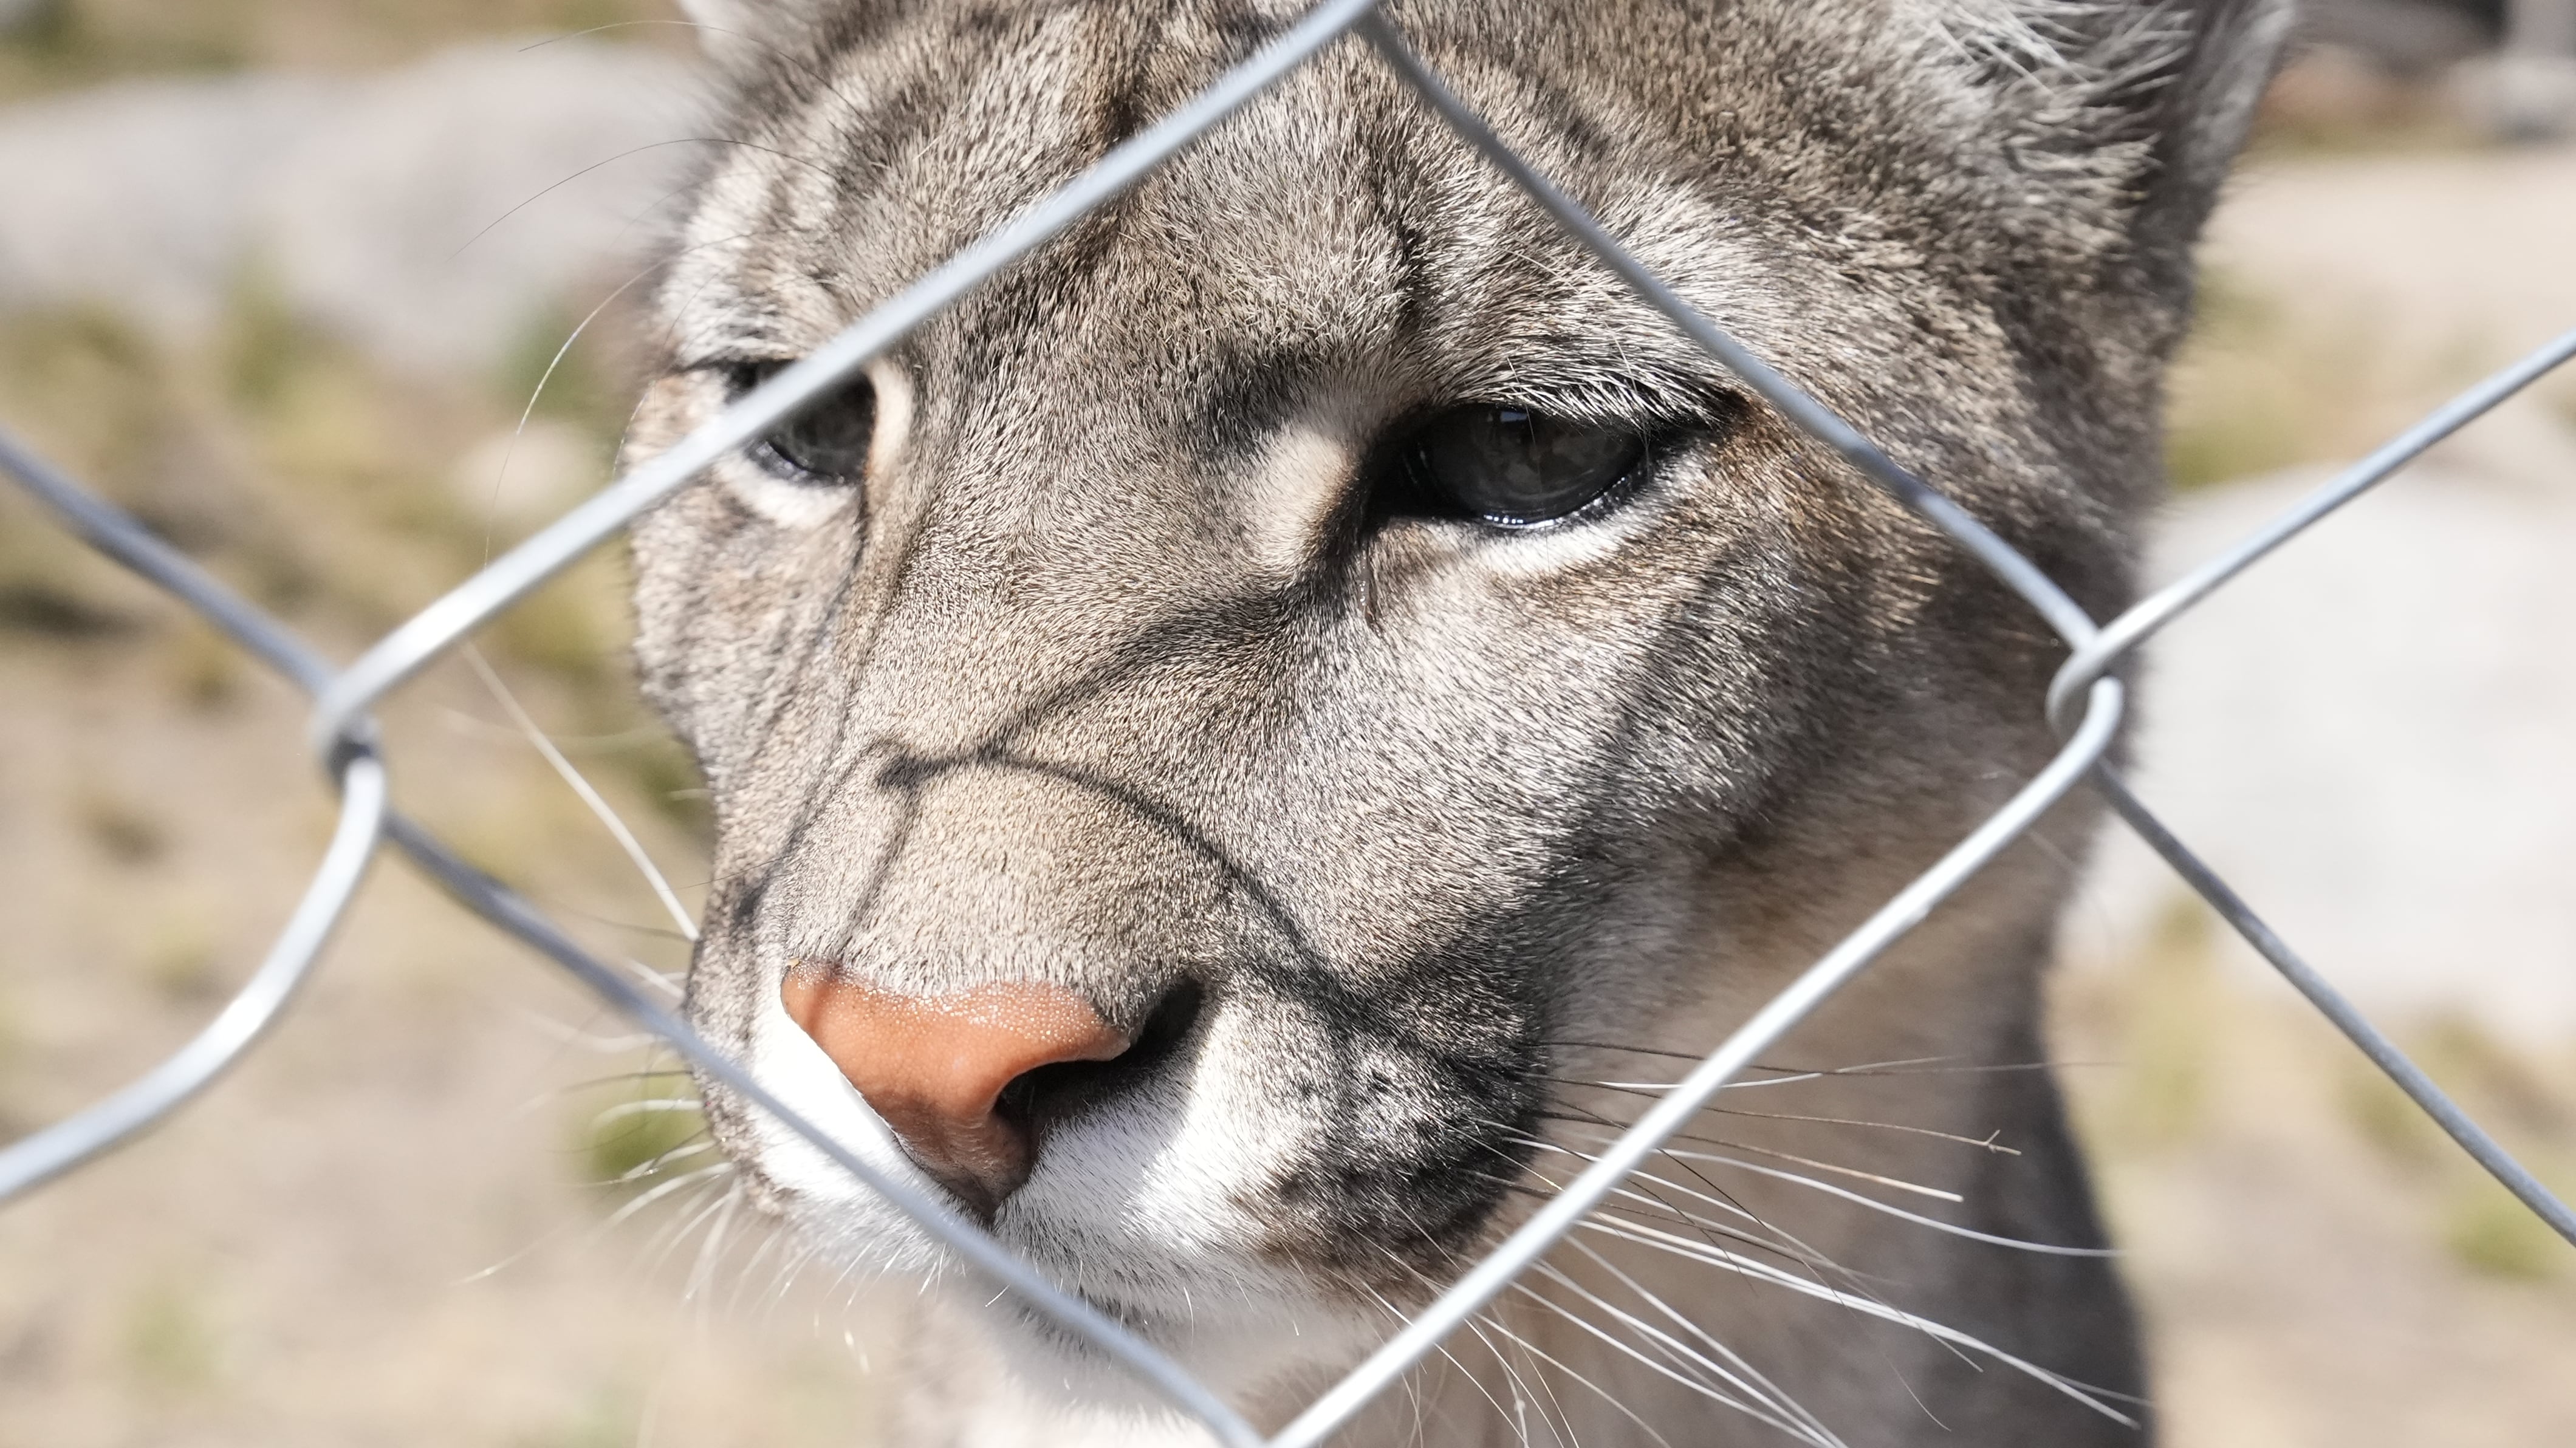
[397, 1225]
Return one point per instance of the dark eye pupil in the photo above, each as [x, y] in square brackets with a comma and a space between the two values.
[1514, 467]
[825, 443]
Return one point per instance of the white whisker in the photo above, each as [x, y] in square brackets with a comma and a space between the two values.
[505, 1263]
[584, 1040]
[1474, 1381]
[1691, 1361]
[599, 807]
[1764, 1272]
[1522, 1398]
[1709, 1391]
[662, 1190]
[1559, 1364]
[684, 1220]
[2016, 1244]
[703, 1271]
[1892, 1183]
[647, 1107]
[1779, 1241]
[682, 1152]
[1991, 1141]
[742, 1276]
[1741, 1366]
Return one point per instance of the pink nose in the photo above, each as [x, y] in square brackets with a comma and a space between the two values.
[935, 1067]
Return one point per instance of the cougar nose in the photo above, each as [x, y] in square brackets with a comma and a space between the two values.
[935, 1068]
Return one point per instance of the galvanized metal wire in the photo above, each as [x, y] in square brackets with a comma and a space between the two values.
[2085, 700]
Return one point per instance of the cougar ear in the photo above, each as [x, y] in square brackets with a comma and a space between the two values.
[2139, 104]
[2202, 109]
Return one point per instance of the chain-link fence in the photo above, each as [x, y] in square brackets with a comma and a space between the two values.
[2085, 701]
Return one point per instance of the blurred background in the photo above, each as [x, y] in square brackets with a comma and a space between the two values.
[341, 295]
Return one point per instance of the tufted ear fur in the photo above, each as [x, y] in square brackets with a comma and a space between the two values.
[2135, 106]
[2201, 111]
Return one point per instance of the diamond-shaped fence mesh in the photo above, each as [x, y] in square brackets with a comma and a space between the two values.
[2086, 702]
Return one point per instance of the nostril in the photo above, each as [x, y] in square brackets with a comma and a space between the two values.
[935, 1068]
[1049, 1094]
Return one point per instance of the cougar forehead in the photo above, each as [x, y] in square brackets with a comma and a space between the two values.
[1110, 675]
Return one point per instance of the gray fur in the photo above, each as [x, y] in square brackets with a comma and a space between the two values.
[1108, 678]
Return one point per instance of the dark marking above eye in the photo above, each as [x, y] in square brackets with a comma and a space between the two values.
[825, 443]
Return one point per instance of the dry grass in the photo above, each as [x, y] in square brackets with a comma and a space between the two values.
[2319, 1263]
[316, 481]
[2261, 386]
[73, 43]
[394, 1225]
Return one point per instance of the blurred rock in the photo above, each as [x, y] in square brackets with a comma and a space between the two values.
[2367, 733]
[2332, 90]
[2406, 39]
[428, 214]
[140, 196]
[16, 13]
[2517, 96]
[2438, 255]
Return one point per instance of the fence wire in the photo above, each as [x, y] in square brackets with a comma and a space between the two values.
[2085, 701]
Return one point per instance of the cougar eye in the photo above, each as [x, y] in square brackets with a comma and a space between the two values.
[1515, 468]
[827, 443]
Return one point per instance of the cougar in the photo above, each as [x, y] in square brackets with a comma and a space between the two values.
[1246, 748]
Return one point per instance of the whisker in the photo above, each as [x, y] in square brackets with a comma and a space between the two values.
[1606, 1124]
[512, 1259]
[654, 1194]
[1638, 1203]
[1652, 1089]
[622, 155]
[539, 1100]
[581, 786]
[1792, 1075]
[579, 1039]
[654, 1167]
[709, 1249]
[1559, 1364]
[1662, 1051]
[648, 1107]
[1561, 1429]
[684, 1220]
[1765, 1412]
[2017, 1244]
[1808, 1257]
[783, 1282]
[1894, 1183]
[1763, 1272]
[1745, 1368]
[1815, 1263]
[769, 1242]
[1478, 1383]
[466, 722]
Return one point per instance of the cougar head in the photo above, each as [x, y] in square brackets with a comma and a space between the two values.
[1210, 724]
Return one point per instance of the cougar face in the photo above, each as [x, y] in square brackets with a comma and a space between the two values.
[1230, 715]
